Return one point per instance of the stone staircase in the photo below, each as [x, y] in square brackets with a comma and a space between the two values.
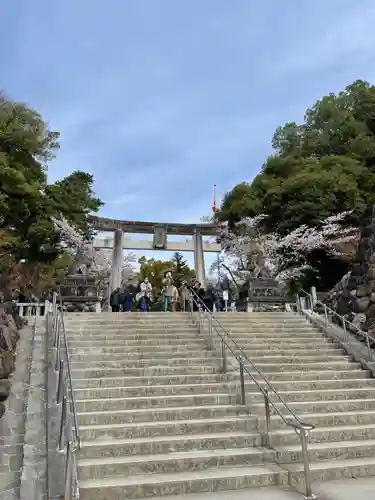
[158, 418]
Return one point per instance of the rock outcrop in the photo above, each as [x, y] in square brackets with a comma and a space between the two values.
[354, 296]
[10, 323]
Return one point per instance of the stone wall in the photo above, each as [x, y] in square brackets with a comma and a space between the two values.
[9, 336]
[354, 296]
[23, 444]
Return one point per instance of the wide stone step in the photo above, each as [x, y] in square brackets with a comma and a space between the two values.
[95, 372]
[256, 337]
[86, 383]
[151, 347]
[104, 336]
[276, 342]
[211, 383]
[98, 347]
[153, 357]
[355, 396]
[306, 366]
[333, 469]
[145, 363]
[333, 419]
[109, 417]
[161, 391]
[277, 327]
[186, 331]
[288, 390]
[284, 350]
[167, 444]
[328, 435]
[152, 402]
[169, 428]
[146, 330]
[286, 358]
[317, 371]
[320, 406]
[278, 336]
[318, 395]
[283, 378]
[157, 485]
[321, 374]
[174, 462]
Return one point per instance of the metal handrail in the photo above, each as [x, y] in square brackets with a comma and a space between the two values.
[346, 324]
[69, 439]
[69, 371]
[301, 428]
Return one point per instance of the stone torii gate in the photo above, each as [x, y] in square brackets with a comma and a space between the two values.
[160, 232]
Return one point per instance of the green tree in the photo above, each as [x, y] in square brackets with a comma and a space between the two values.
[320, 168]
[181, 271]
[27, 203]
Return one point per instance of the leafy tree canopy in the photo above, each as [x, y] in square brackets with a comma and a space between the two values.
[322, 167]
[28, 203]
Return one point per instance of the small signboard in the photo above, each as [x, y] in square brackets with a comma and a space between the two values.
[265, 290]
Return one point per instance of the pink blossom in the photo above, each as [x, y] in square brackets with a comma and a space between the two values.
[283, 257]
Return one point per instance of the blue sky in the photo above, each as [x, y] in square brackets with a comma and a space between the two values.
[161, 99]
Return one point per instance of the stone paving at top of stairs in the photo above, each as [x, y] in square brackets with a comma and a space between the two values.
[158, 418]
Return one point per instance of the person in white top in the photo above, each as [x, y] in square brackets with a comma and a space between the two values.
[175, 298]
[145, 295]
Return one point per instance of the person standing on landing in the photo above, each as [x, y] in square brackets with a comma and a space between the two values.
[146, 291]
[175, 298]
[167, 291]
[115, 300]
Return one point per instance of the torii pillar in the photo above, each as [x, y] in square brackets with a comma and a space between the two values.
[117, 260]
[199, 257]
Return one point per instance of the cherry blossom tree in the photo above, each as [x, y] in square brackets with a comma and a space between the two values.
[99, 260]
[283, 257]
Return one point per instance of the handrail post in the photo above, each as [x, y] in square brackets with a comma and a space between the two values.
[60, 383]
[368, 347]
[210, 331]
[325, 315]
[55, 318]
[69, 472]
[224, 356]
[242, 381]
[62, 423]
[268, 418]
[56, 329]
[298, 304]
[311, 300]
[345, 329]
[58, 347]
[304, 433]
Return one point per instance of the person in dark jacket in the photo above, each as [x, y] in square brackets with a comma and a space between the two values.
[198, 294]
[127, 301]
[208, 298]
[115, 300]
